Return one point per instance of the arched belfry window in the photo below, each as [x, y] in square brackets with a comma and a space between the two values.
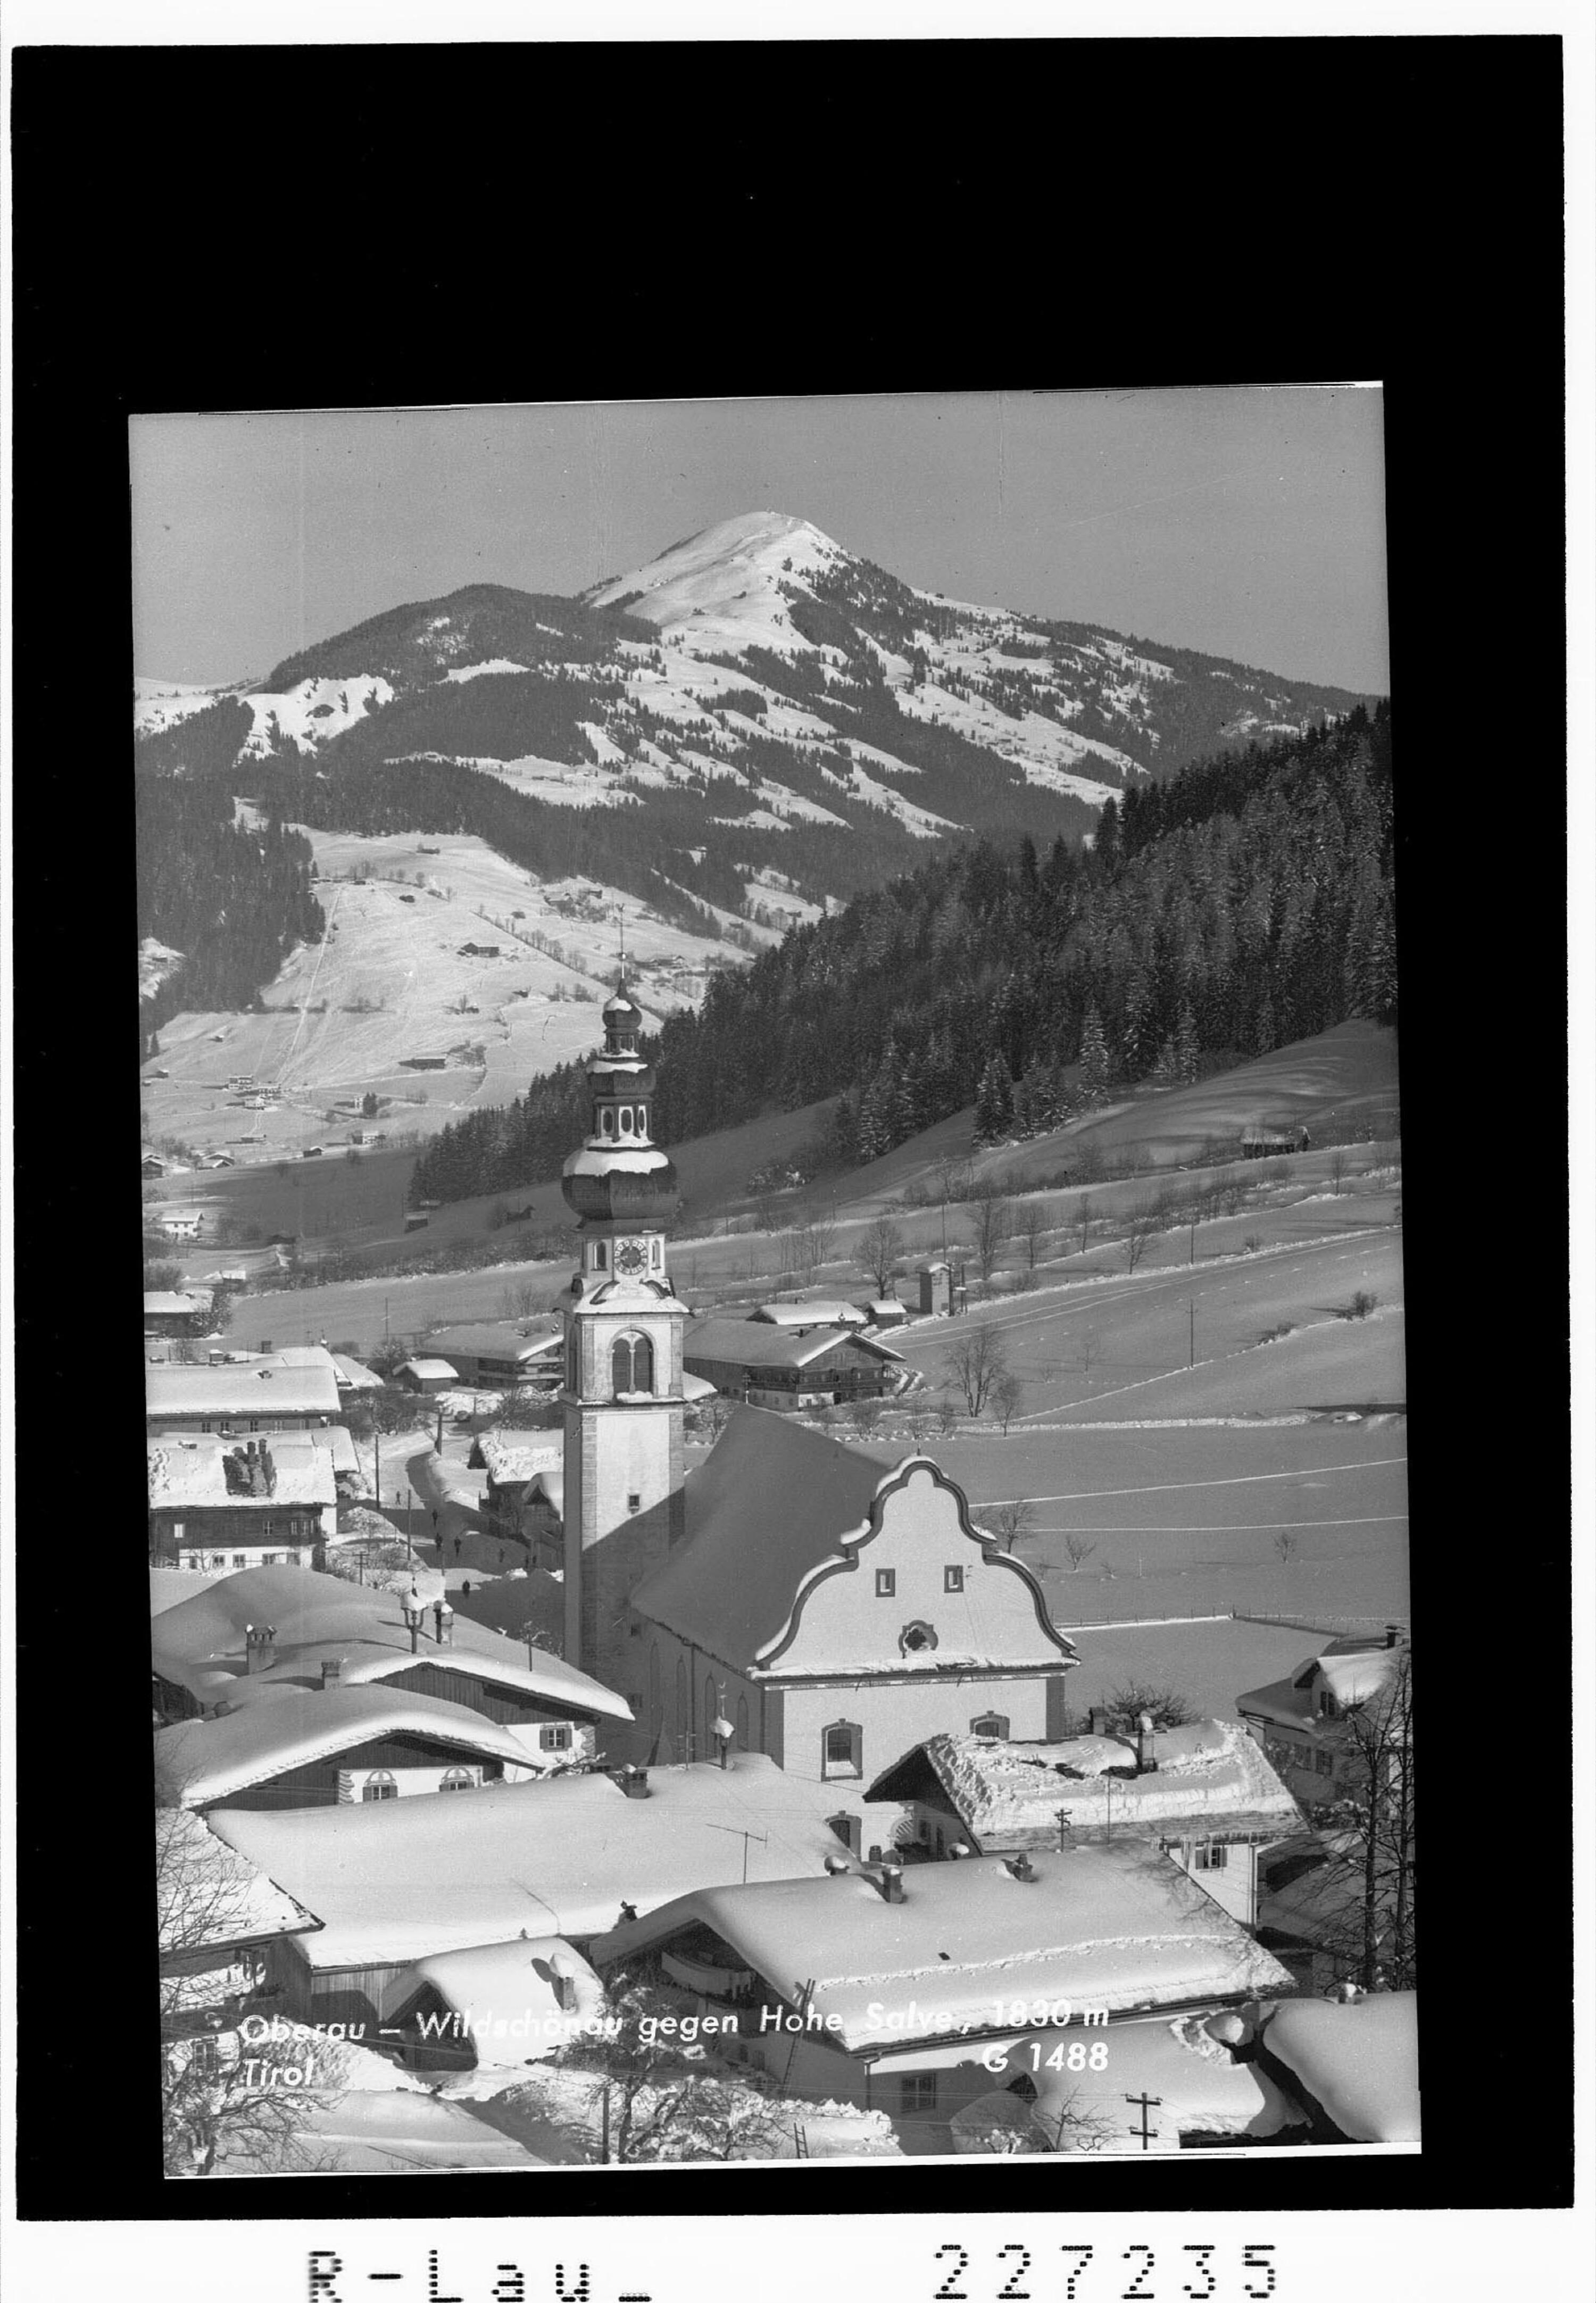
[632, 1365]
[600, 1255]
[642, 1119]
[626, 1120]
[606, 1120]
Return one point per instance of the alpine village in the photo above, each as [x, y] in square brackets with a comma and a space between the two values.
[775, 1394]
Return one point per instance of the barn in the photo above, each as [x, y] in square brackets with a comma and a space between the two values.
[780, 1367]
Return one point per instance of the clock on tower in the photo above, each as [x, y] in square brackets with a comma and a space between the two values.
[631, 1257]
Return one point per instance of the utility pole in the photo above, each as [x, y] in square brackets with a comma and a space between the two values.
[1191, 1349]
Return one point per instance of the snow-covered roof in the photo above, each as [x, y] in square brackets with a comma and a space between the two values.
[400, 1879]
[1193, 2085]
[1112, 1927]
[488, 1339]
[514, 1456]
[304, 1355]
[201, 1760]
[547, 1486]
[261, 1388]
[158, 1302]
[200, 1644]
[389, 2131]
[830, 1313]
[1212, 1777]
[354, 1375]
[798, 1490]
[755, 1343]
[506, 1993]
[209, 1894]
[430, 1371]
[1360, 2061]
[696, 1386]
[170, 1586]
[1352, 1671]
[508, 1603]
[778, 1509]
[184, 1470]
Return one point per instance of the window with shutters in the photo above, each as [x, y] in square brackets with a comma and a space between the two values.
[380, 1786]
[554, 1738]
[458, 1779]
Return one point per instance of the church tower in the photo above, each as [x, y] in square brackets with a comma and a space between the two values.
[624, 1362]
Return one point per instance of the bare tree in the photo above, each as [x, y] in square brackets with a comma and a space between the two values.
[1091, 1349]
[1285, 1546]
[919, 1415]
[1031, 1229]
[1008, 1522]
[1366, 1922]
[974, 1364]
[1339, 1163]
[1077, 1550]
[1166, 1707]
[990, 1223]
[1007, 1393]
[1083, 1216]
[813, 1244]
[659, 2106]
[881, 1251]
[947, 1414]
[222, 2098]
[1143, 1226]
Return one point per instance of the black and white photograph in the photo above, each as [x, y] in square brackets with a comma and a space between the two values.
[772, 1180]
[851, 1200]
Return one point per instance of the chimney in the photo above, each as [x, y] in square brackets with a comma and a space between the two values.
[565, 1982]
[634, 1783]
[413, 1612]
[891, 1881]
[332, 1671]
[1097, 1720]
[260, 1647]
[1146, 1763]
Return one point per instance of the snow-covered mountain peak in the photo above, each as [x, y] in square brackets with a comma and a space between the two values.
[721, 589]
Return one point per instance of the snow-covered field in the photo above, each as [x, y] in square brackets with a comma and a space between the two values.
[390, 981]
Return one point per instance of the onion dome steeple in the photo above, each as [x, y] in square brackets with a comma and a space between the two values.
[620, 1179]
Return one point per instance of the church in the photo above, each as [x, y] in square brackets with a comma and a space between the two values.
[793, 1597]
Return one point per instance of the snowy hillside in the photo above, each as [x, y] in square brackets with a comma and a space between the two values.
[754, 725]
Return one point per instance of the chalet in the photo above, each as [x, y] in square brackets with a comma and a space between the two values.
[311, 1151]
[238, 1503]
[1205, 1795]
[478, 951]
[1302, 1720]
[271, 1629]
[526, 1489]
[337, 1746]
[422, 1063]
[217, 1915]
[496, 2006]
[770, 1365]
[883, 1311]
[150, 1167]
[399, 1881]
[1262, 1143]
[261, 1395]
[183, 1223]
[500, 1355]
[836, 1610]
[168, 1312]
[886, 1989]
[427, 1375]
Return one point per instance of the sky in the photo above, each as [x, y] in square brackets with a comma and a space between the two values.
[1243, 521]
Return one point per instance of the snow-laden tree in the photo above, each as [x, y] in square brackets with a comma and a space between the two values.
[225, 2100]
[659, 2102]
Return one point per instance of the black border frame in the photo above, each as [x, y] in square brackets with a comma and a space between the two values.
[1099, 213]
